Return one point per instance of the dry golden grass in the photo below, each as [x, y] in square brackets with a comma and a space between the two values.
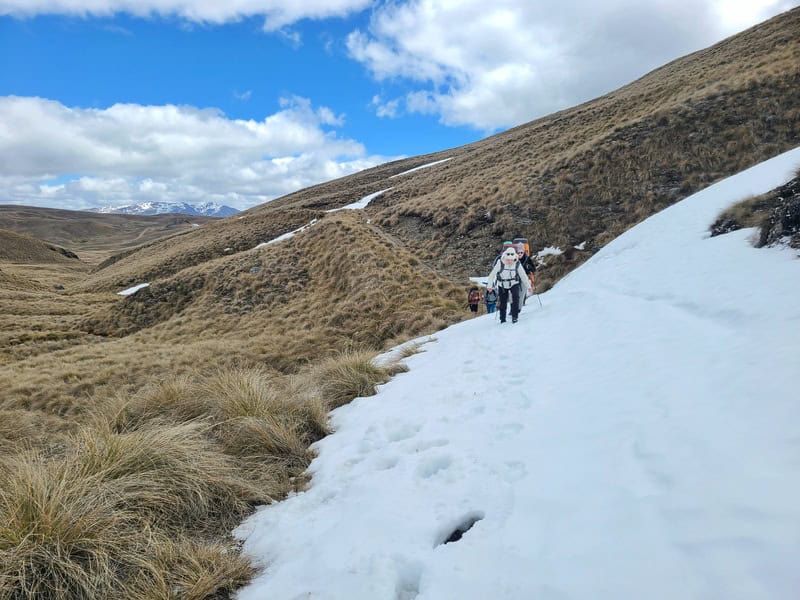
[191, 570]
[26, 249]
[184, 460]
[62, 536]
[20, 429]
[172, 476]
[216, 239]
[350, 375]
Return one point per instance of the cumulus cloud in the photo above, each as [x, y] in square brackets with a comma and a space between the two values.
[276, 13]
[59, 156]
[498, 64]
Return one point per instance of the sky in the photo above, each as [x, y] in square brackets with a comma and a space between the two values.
[112, 102]
[634, 436]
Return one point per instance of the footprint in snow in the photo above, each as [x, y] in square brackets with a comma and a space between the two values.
[402, 431]
[433, 465]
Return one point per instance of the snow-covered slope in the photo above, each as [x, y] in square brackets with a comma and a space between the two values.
[206, 209]
[635, 437]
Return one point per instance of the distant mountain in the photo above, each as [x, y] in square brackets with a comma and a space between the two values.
[206, 209]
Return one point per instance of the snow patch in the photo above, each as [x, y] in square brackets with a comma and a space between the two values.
[438, 162]
[549, 251]
[287, 235]
[360, 203]
[132, 290]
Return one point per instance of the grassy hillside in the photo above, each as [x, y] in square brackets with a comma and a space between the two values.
[16, 248]
[584, 174]
[92, 235]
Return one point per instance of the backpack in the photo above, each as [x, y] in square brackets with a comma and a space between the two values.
[490, 297]
[511, 277]
[474, 297]
[528, 264]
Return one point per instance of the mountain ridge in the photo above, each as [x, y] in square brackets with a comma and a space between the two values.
[203, 209]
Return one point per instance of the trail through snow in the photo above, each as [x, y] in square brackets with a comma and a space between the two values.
[635, 437]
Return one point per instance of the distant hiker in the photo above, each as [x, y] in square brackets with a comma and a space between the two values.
[509, 278]
[490, 298]
[528, 264]
[473, 299]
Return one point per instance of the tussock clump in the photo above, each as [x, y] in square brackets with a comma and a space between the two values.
[174, 399]
[750, 212]
[63, 535]
[259, 416]
[349, 375]
[250, 413]
[776, 214]
[29, 428]
[234, 393]
[171, 475]
[192, 570]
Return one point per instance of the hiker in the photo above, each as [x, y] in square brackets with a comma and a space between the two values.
[490, 299]
[496, 260]
[509, 278]
[473, 299]
[528, 264]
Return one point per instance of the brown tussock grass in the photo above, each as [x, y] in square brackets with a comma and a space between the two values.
[183, 460]
[63, 536]
[350, 375]
[170, 475]
[191, 570]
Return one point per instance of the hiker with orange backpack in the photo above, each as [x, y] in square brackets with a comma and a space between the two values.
[510, 279]
[528, 264]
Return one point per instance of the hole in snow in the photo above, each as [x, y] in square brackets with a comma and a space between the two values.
[453, 535]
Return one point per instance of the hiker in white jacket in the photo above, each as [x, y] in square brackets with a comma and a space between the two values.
[510, 279]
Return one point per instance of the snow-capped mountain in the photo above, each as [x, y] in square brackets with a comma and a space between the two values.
[205, 209]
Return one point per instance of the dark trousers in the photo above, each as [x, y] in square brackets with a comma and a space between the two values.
[513, 292]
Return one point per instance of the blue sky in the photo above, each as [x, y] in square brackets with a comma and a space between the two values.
[236, 67]
[108, 102]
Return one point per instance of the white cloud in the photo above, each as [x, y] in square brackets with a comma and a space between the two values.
[243, 96]
[276, 13]
[291, 37]
[53, 155]
[498, 64]
[385, 109]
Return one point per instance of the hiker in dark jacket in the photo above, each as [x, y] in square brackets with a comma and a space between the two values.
[508, 277]
[528, 264]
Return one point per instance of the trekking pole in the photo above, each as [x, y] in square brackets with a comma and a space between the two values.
[537, 295]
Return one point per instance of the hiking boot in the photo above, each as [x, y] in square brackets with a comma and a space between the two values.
[502, 320]
[514, 319]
